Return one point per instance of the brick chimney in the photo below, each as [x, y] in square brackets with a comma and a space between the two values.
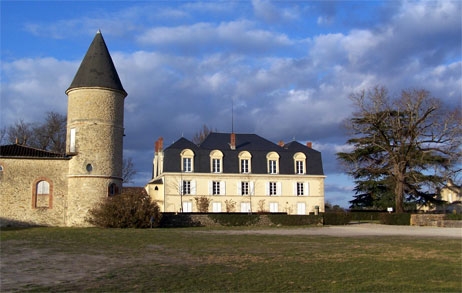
[159, 144]
[309, 144]
[232, 141]
[281, 143]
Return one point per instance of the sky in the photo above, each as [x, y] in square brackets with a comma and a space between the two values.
[281, 69]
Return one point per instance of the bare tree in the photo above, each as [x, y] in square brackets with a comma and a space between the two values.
[200, 136]
[48, 135]
[128, 170]
[410, 143]
[20, 133]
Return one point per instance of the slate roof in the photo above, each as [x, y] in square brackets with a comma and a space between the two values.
[97, 68]
[21, 151]
[256, 145]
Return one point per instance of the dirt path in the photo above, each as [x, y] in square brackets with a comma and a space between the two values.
[356, 230]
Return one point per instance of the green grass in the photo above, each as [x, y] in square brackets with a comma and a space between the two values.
[196, 259]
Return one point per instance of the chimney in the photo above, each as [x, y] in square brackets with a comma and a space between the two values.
[159, 145]
[309, 144]
[281, 143]
[232, 142]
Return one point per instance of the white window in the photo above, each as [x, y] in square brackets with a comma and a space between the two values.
[216, 165]
[187, 166]
[187, 207]
[217, 188]
[272, 167]
[301, 208]
[301, 189]
[299, 168]
[216, 207]
[42, 196]
[245, 188]
[274, 207]
[244, 166]
[245, 207]
[43, 187]
[187, 187]
[299, 159]
[244, 162]
[187, 160]
[72, 141]
[216, 161]
[273, 161]
[273, 188]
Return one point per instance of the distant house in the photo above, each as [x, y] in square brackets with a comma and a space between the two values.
[238, 173]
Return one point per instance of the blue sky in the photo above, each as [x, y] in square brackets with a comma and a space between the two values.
[288, 66]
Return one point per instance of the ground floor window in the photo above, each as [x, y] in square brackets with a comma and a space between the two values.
[216, 207]
[245, 207]
[301, 208]
[42, 194]
[274, 207]
[187, 207]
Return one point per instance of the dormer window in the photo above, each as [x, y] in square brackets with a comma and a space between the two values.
[273, 163]
[244, 162]
[216, 161]
[299, 163]
[187, 160]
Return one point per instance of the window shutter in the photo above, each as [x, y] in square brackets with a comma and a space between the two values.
[239, 188]
[278, 188]
[306, 188]
[210, 188]
[251, 188]
[193, 187]
[222, 187]
[267, 188]
[295, 188]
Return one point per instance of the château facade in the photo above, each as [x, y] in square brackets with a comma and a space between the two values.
[238, 173]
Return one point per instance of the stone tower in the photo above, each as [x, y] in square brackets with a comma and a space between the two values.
[95, 130]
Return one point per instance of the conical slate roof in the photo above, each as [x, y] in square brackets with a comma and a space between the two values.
[97, 68]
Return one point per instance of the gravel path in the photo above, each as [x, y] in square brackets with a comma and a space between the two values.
[355, 230]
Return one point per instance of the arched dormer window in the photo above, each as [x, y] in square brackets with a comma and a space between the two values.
[187, 160]
[299, 163]
[42, 194]
[216, 161]
[244, 162]
[272, 159]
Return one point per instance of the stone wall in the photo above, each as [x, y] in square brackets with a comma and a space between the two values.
[435, 220]
[19, 203]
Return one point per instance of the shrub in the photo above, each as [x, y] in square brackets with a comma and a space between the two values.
[132, 208]
[237, 219]
[453, 217]
[295, 220]
[340, 218]
[202, 204]
[395, 219]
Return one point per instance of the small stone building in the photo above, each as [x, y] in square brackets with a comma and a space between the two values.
[44, 188]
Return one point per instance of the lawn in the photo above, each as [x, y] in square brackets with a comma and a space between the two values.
[197, 259]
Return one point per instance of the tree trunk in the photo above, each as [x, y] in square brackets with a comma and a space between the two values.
[399, 195]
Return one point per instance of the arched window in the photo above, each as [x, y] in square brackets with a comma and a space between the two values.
[216, 161]
[112, 189]
[245, 162]
[272, 159]
[187, 160]
[299, 163]
[42, 194]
